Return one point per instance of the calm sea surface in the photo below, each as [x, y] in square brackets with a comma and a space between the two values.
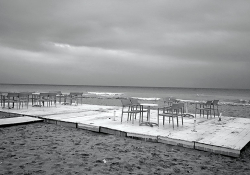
[224, 95]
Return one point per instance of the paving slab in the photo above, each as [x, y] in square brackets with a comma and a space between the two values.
[18, 120]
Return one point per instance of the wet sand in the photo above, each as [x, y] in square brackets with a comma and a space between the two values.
[50, 149]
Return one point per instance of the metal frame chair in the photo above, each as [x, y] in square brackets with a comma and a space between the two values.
[170, 100]
[74, 96]
[204, 107]
[42, 98]
[130, 109]
[175, 111]
[136, 105]
[13, 98]
[1, 98]
[59, 95]
[24, 99]
[52, 98]
[215, 106]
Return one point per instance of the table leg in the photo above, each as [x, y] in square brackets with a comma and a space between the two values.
[148, 123]
[195, 109]
[148, 115]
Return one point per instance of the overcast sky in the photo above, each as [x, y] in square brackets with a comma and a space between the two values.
[175, 43]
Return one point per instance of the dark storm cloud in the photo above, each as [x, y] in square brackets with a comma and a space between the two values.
[185, 43]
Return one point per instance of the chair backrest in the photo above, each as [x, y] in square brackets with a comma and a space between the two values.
[125, 102]
[29, 93]
[56, 92]
[52, 94]
[166, 99]
[13, 94]
[208, 103]
[170, 100]
[215, 102]
[24, 94]
[177, 106]
[75, 93]
[44, 94]
[134, 101]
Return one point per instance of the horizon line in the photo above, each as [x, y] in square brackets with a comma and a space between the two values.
[122, 86]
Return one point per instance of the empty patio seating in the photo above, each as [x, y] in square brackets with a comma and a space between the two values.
[52, 98]
[59, 95]
[170, 100]
[24, 99]
[74, 97]
[215, 107]
[131, 110]
[204, 107]
[167, 102]
[137, 106]
[1, 98]
[43, 98]
[175, 111]
[12, 98]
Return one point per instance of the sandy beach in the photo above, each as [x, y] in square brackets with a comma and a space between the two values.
[42, 148]
[66, 67]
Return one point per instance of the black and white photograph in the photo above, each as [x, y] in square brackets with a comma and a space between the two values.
[124, 87]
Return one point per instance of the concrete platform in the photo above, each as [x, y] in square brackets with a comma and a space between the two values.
[18, 120]
[226, 137]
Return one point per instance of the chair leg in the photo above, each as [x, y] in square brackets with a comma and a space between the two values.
[201, 110]
[148, 113]
[140, 119]
[158, 117]
[195, 112]
[122, 115]
[173, 121]
[213, 111]
[141, 113]
[129, 114]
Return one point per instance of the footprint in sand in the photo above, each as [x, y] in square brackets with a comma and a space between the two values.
[98, 161]
[108, 159]
[85, 155]
[176, 170]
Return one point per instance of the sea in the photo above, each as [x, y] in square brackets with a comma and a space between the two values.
[226, 96]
